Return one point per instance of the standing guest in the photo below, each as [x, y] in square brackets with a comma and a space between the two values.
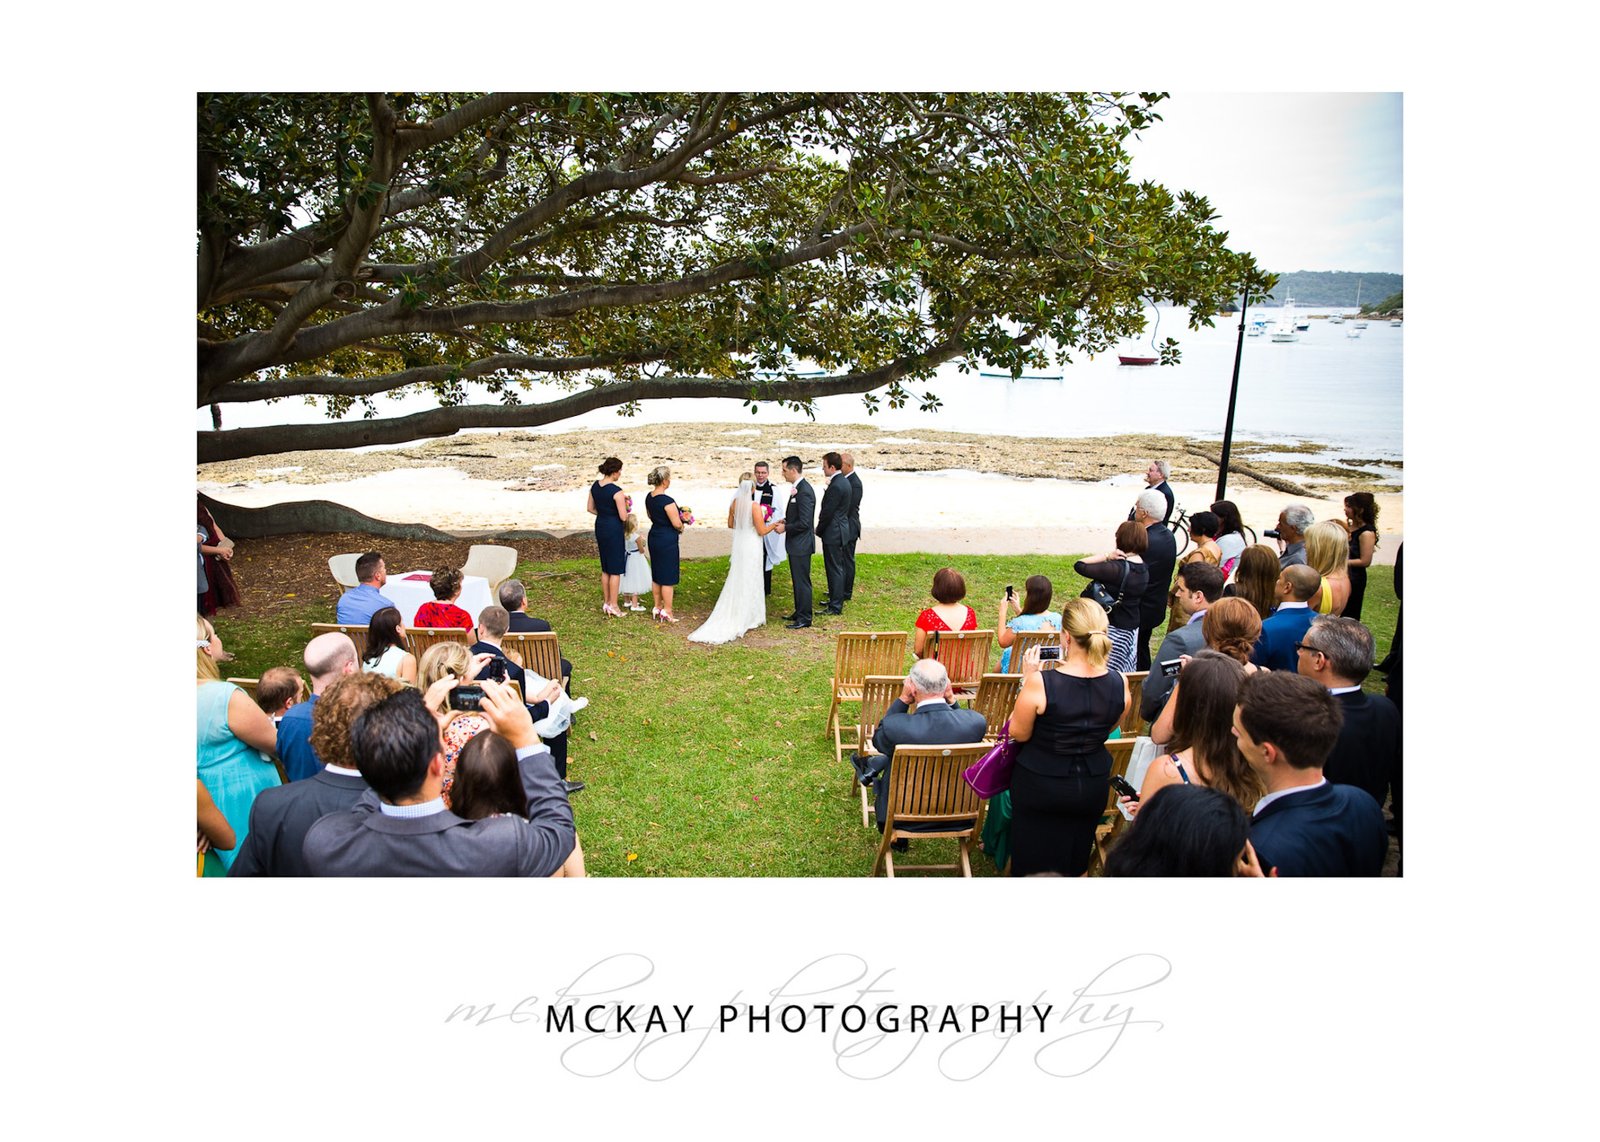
[1197, 586]
[636, 578]
[537, 692]
[441, 612]
[216, 558]
[666, 525]
[1256, 579]
[1156, 477]
[279, 688]
[281, 817]
[1304, 825]
[1063, 770]
[386, 648]
[849, 463]
[232, 734]
[1292, 524]
[798, 529]
[1203, 527]
[1160, 555]
[1186, 830]
[608, 503]
[773, 499]
[328, 657]
[1202, 746]
[1328, 554]
[358, 604]
[1232, 627]
[1282, 631]
[833, 528]
[407, 830]
[1338, 654]
[1362, 511]
[1123, 573]
[948, 612]
[1037, 591]
[1230, 538]
[514, 598]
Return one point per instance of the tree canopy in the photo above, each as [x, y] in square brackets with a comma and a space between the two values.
[633, 246]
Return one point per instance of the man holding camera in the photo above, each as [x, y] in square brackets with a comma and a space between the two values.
[1291, 532]
[492, 625]
[1199, 585]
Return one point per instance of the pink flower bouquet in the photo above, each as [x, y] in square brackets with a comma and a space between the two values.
[685, 514]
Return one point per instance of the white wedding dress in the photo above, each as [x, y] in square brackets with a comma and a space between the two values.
[743, 602]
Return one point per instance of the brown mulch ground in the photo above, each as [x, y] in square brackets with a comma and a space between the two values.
[275, 572]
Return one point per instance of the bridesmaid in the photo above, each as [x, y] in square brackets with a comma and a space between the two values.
[665, 527]
[1362, 511]
[608, 505]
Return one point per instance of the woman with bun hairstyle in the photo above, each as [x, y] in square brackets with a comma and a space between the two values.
[1063, 770]
[1230, 628]
[665, 527]
[609, 506]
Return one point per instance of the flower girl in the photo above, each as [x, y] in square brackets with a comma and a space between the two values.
[636, 572]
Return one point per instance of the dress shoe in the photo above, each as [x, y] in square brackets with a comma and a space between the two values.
[796, 625]
[790, 617]
[573, 786]
[832, 611]
[900, 846]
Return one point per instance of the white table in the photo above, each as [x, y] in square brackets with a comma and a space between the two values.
[408, 594]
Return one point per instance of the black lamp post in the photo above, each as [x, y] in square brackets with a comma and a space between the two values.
[1233, 398]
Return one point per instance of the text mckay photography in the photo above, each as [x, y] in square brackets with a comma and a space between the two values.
[619, 1016]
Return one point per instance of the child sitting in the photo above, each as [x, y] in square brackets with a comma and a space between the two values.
[279, 689]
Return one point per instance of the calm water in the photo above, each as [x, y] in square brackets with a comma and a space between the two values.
[1327, 387]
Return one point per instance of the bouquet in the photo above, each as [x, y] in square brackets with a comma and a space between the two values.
[685, 514]
[628, 503]
[768, 513]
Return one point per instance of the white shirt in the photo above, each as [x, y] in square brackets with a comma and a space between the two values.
[1271, 797]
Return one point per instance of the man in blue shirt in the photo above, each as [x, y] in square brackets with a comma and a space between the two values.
[361, 602]
[328, 657]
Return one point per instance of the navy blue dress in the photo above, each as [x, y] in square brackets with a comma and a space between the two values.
[662, 541]
[608, 528]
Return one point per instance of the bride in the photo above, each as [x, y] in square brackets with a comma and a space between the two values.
[743, 602]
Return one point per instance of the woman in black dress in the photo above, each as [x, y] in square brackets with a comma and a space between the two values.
[1362, 512]
[1063, 772]
[1128, 589]
[609, 506]
[665, 527]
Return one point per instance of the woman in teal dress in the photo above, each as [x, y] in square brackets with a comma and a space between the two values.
[232, 735]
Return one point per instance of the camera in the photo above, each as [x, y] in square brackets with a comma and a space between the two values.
[1273, 534]
[1170, 667]
[466, 698]
[494, 670]
[1049, 654]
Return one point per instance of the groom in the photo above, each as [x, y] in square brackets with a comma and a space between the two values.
[799, 540]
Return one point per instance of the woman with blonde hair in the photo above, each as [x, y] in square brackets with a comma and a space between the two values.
[1255, 579]
[666, 525]
[1328, 554]
[1202, 748]
[449, 662]
[234, 738]
[1063, 770]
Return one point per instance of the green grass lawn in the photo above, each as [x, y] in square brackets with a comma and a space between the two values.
[711, 761]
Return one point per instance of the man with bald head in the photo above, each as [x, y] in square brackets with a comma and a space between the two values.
[328, 658]
[1278, 646]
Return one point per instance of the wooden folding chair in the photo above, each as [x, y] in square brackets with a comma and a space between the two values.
[1026, 640]
[996, 698]
[856, 655]
[248, 685]
[926, 788]
[878, 692]
[1132, 724]
[1112, 822]
[536, 651]
[491, 560]
[420, 639]
[965, 655]
[358, 634]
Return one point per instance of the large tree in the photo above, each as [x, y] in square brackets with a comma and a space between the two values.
[628, 246]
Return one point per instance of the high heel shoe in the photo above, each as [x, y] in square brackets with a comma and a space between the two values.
[608, 609]
[666, 617]
[655, 613]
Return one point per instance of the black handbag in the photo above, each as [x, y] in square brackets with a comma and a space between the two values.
[1097, 590]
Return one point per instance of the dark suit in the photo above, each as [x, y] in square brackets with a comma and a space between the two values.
[764, 493]
[800, 543]
[942, 724]
[281, 817]
[855, 536]
[1187, 639]
[1367, 754]
[536, 710]
[364, 842]
[1159, 559]
[1166, 490]
[1332, 830]
[833, 526]
[1279, 632]
[524, 623]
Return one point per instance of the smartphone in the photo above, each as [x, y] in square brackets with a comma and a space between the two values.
[1049, 654]
[1011, 591]
[1170, 667]
[494, 670]
[1124, 787]
[466, 698]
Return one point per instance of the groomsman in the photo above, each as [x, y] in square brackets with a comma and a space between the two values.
[799, 540]
[833, 525]
[771, 496]
[855, 524]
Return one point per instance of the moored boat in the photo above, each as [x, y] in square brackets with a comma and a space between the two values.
[1135, 360]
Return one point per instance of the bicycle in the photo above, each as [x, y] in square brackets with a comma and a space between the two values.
[1179, 526]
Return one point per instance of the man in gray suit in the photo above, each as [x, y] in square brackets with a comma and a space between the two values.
[1199, 585]
[833, 526]
[402, 828]
[849, 462]
[799, 540]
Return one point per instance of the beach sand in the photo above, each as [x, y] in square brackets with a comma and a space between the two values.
[923, 491]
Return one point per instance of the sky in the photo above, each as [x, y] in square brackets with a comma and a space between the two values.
[1304, 181]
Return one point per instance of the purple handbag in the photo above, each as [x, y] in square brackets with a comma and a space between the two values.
[991, 773]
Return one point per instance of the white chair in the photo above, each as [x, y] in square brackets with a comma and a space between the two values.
[492, 562]
[344, 569]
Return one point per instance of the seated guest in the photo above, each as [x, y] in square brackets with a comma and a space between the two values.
[489, 784]
[278, 689]
[1281, 633]
[924, 714]
[281, 817]
[537, 692]
[1328, 554]
[514, 598]
[1337, 653]
[213, 834]
[327, 657]
[440, 664]
[361, 602]
[1256, 578]
[1123, 573]
[1186, 830]
[1033, 615]
[948, 612]
[1195, 588]
[1202, 749]
[403, 827]
[386, 648]
[232, 739]
[441, 611]
[1304, 825]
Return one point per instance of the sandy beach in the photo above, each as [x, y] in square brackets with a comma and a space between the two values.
[923, 491]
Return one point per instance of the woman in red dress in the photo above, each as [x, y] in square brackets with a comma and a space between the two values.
[442, 611]
[947, 613]
[216, 550]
